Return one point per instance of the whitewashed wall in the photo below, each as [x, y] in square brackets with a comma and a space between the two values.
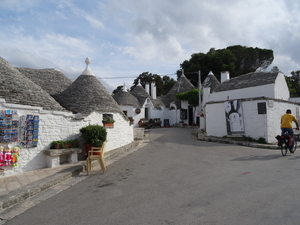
[215, 119]
[138, 116]
[173, 116]
[128, 109]
[278, 90]
[55, 125]
[256, 125]
[131, 111]
[252, 92]
[153, 112]
[157, 113]
[281, 90]
[170, 115]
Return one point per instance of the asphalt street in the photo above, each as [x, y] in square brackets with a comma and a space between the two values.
[177, 179]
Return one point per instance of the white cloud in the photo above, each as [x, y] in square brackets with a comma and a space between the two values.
[94, 22]
[126, 38]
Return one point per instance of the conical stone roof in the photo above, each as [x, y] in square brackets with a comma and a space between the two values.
[182, 85]
[140, 93]
[86, 95]
[51, 80]
[123, 97]
[16, 88]
[211, 81]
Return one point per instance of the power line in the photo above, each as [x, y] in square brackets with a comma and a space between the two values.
[134, 77]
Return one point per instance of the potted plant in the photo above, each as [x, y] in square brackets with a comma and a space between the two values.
[67, 144]
[57, 145]
[71, 143]
[143, 122]
[108, 121]
[131, 120]
[74, 143]
[93, 136]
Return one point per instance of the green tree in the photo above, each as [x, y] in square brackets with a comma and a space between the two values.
[238, 60]
[293, 83]
[117, 89]
[168, 83]
[192, 97]
[163, 85]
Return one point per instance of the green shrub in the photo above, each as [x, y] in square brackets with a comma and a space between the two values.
[248, 138]
[72, 143]
[94, 135]
[54, 143]
[262, 140]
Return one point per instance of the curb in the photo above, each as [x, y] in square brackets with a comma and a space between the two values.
[21, 194]
[242, 143]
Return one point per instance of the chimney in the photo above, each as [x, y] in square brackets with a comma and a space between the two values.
[147, 88]
[224, 76]
[153, 90]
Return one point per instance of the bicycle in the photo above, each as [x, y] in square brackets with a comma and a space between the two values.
[285, 144]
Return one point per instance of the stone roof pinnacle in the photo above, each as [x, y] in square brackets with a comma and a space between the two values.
[124, 89]
[87, 70]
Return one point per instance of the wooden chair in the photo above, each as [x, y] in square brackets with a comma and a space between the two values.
[96, 153]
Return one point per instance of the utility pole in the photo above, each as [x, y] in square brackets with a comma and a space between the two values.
[200, 88]
[201, 118]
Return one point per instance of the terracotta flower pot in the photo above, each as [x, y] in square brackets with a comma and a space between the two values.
[68, 145]
[108, 124]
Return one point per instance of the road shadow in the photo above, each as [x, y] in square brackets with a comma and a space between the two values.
[295, 158]
[258, 157]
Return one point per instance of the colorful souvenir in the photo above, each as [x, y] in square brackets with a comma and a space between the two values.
[15, 156]
[1, 156]
[7, 157]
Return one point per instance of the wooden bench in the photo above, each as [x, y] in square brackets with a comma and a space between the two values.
[53, 156]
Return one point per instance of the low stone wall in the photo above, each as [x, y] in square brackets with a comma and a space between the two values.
[53, 156]
[138, 133]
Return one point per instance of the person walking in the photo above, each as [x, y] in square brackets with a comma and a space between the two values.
[287, 123]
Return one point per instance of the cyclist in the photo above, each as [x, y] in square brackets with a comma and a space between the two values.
[286, 123]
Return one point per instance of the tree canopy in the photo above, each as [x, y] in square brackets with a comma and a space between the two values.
[163, 85]
[191, 96]
[117, 89]
[293, 83]
[238, 60]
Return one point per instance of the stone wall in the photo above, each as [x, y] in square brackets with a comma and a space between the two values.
[56, 125]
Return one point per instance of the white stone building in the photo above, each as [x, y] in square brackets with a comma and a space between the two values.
[62, 108]
[140, 103]
[259, 98]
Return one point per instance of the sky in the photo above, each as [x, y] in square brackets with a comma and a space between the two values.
[124, 38]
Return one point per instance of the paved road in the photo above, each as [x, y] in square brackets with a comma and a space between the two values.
[176, 179]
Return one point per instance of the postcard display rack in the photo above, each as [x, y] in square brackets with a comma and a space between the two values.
[16, 132]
